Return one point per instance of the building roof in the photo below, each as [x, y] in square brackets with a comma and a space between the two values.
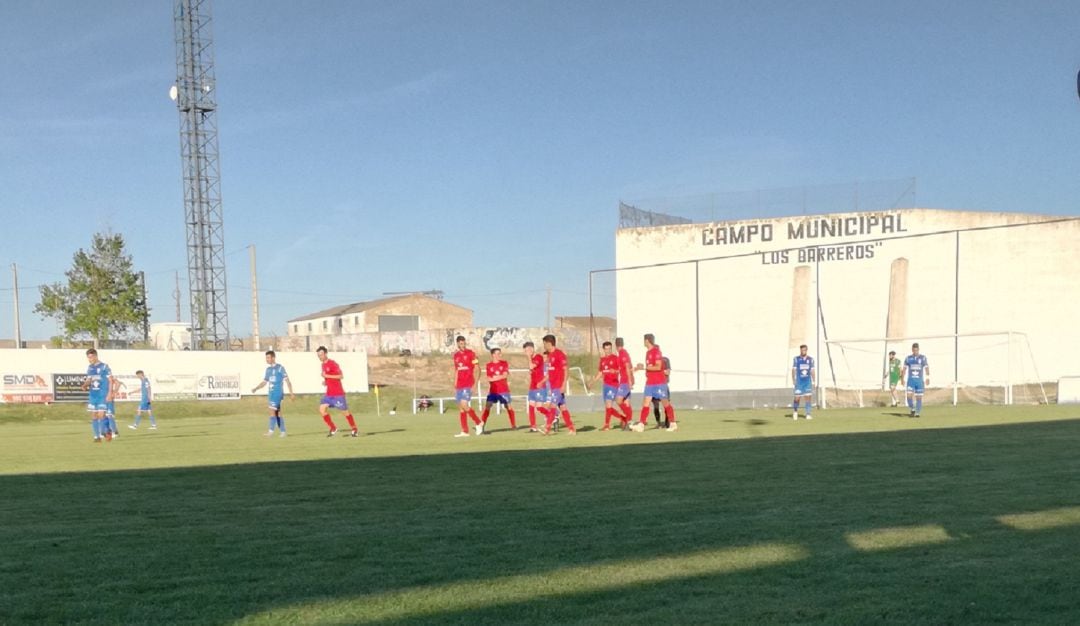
[360, 307]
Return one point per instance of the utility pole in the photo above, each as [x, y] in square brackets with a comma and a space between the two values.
[176, 296]
[549, 308]
[18, 325]
[146, 309]
[254, 300]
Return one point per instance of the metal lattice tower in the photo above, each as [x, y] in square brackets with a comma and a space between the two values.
[194, 95]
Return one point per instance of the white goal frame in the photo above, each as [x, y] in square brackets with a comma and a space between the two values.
[839, 359]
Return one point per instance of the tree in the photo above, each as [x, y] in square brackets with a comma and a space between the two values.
[103, 297]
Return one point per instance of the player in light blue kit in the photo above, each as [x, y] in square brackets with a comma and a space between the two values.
[802, 372]
[99, 382]
[144, 402]
[917, 374]
[278, 379]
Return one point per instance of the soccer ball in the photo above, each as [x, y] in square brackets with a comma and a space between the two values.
[638, 428]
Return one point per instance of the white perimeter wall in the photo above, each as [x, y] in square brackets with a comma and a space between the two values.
[754, 311]
[303, 368]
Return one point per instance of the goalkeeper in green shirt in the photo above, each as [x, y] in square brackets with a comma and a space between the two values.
[894, 376]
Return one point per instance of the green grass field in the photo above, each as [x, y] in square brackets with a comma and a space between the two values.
[968, 515]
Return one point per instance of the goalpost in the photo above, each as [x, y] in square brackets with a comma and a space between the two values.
[984, 368]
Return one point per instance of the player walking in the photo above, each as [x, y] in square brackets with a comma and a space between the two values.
[916, 372]
[655, 385]
[804, 376]
[894, 376]
[145, 396]
[498, 373]
[556, 375]
[278, 379]
[626, 382]
[465, 363]
[538, 395]
[100, 383]
[656, 401]
[609, 371]
[335, 394]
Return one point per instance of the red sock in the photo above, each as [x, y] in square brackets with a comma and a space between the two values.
[352, 422]
[645, 414]
[532, 416]
[669, 413]
[464, 421]
[566, 418]
[487, 411]
[549, 417]
[628, 412]
[329, 421]
[510, 414]
[607, 417]
[475, 419]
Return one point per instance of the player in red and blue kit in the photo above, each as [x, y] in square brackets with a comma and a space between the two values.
[803, 375]
[917, 373]
[465, 363]
[655, 385]
[538, 395]
[556, 375]
[335, 394]
[609, 371]
[498, 373]
[626, 381]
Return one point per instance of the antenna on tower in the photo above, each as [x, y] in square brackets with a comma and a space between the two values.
[194, 94]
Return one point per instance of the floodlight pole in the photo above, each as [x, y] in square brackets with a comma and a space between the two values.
[18, 324]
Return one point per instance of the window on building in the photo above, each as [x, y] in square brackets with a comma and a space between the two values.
[356, 320]
[340, 323]
[309, 327]
[295, 328]
[325, 325]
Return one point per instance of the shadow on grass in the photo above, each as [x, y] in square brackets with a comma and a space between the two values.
[898, 526]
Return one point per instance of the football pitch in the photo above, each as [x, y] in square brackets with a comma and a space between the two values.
[967, 515]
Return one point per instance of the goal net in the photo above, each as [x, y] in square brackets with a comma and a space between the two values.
[981, 368]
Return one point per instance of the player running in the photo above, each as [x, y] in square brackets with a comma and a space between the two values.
[100, 383]
[278, 379]
[465, 363]
[335, 394]
[655, 386]
[145, 396]
[894, 376]
[556, 375]
[916, 372]
[804, 376]
[498, 373]
[609, 371]
[626, 382]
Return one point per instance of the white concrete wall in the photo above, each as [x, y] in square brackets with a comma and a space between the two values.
[303, 368]
[1020, 279]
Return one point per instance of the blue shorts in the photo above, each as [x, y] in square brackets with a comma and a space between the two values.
[658, 392]
[556, 398]
[804, 388]
[499, 398]
[624, 391]
[610, 392]
[96, 403]
[915, 386]
[144, 406]
[538, 395]
[463, 395]
[335, 402]
[273, 402]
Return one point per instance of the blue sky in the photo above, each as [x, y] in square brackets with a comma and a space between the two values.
[481, 148]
